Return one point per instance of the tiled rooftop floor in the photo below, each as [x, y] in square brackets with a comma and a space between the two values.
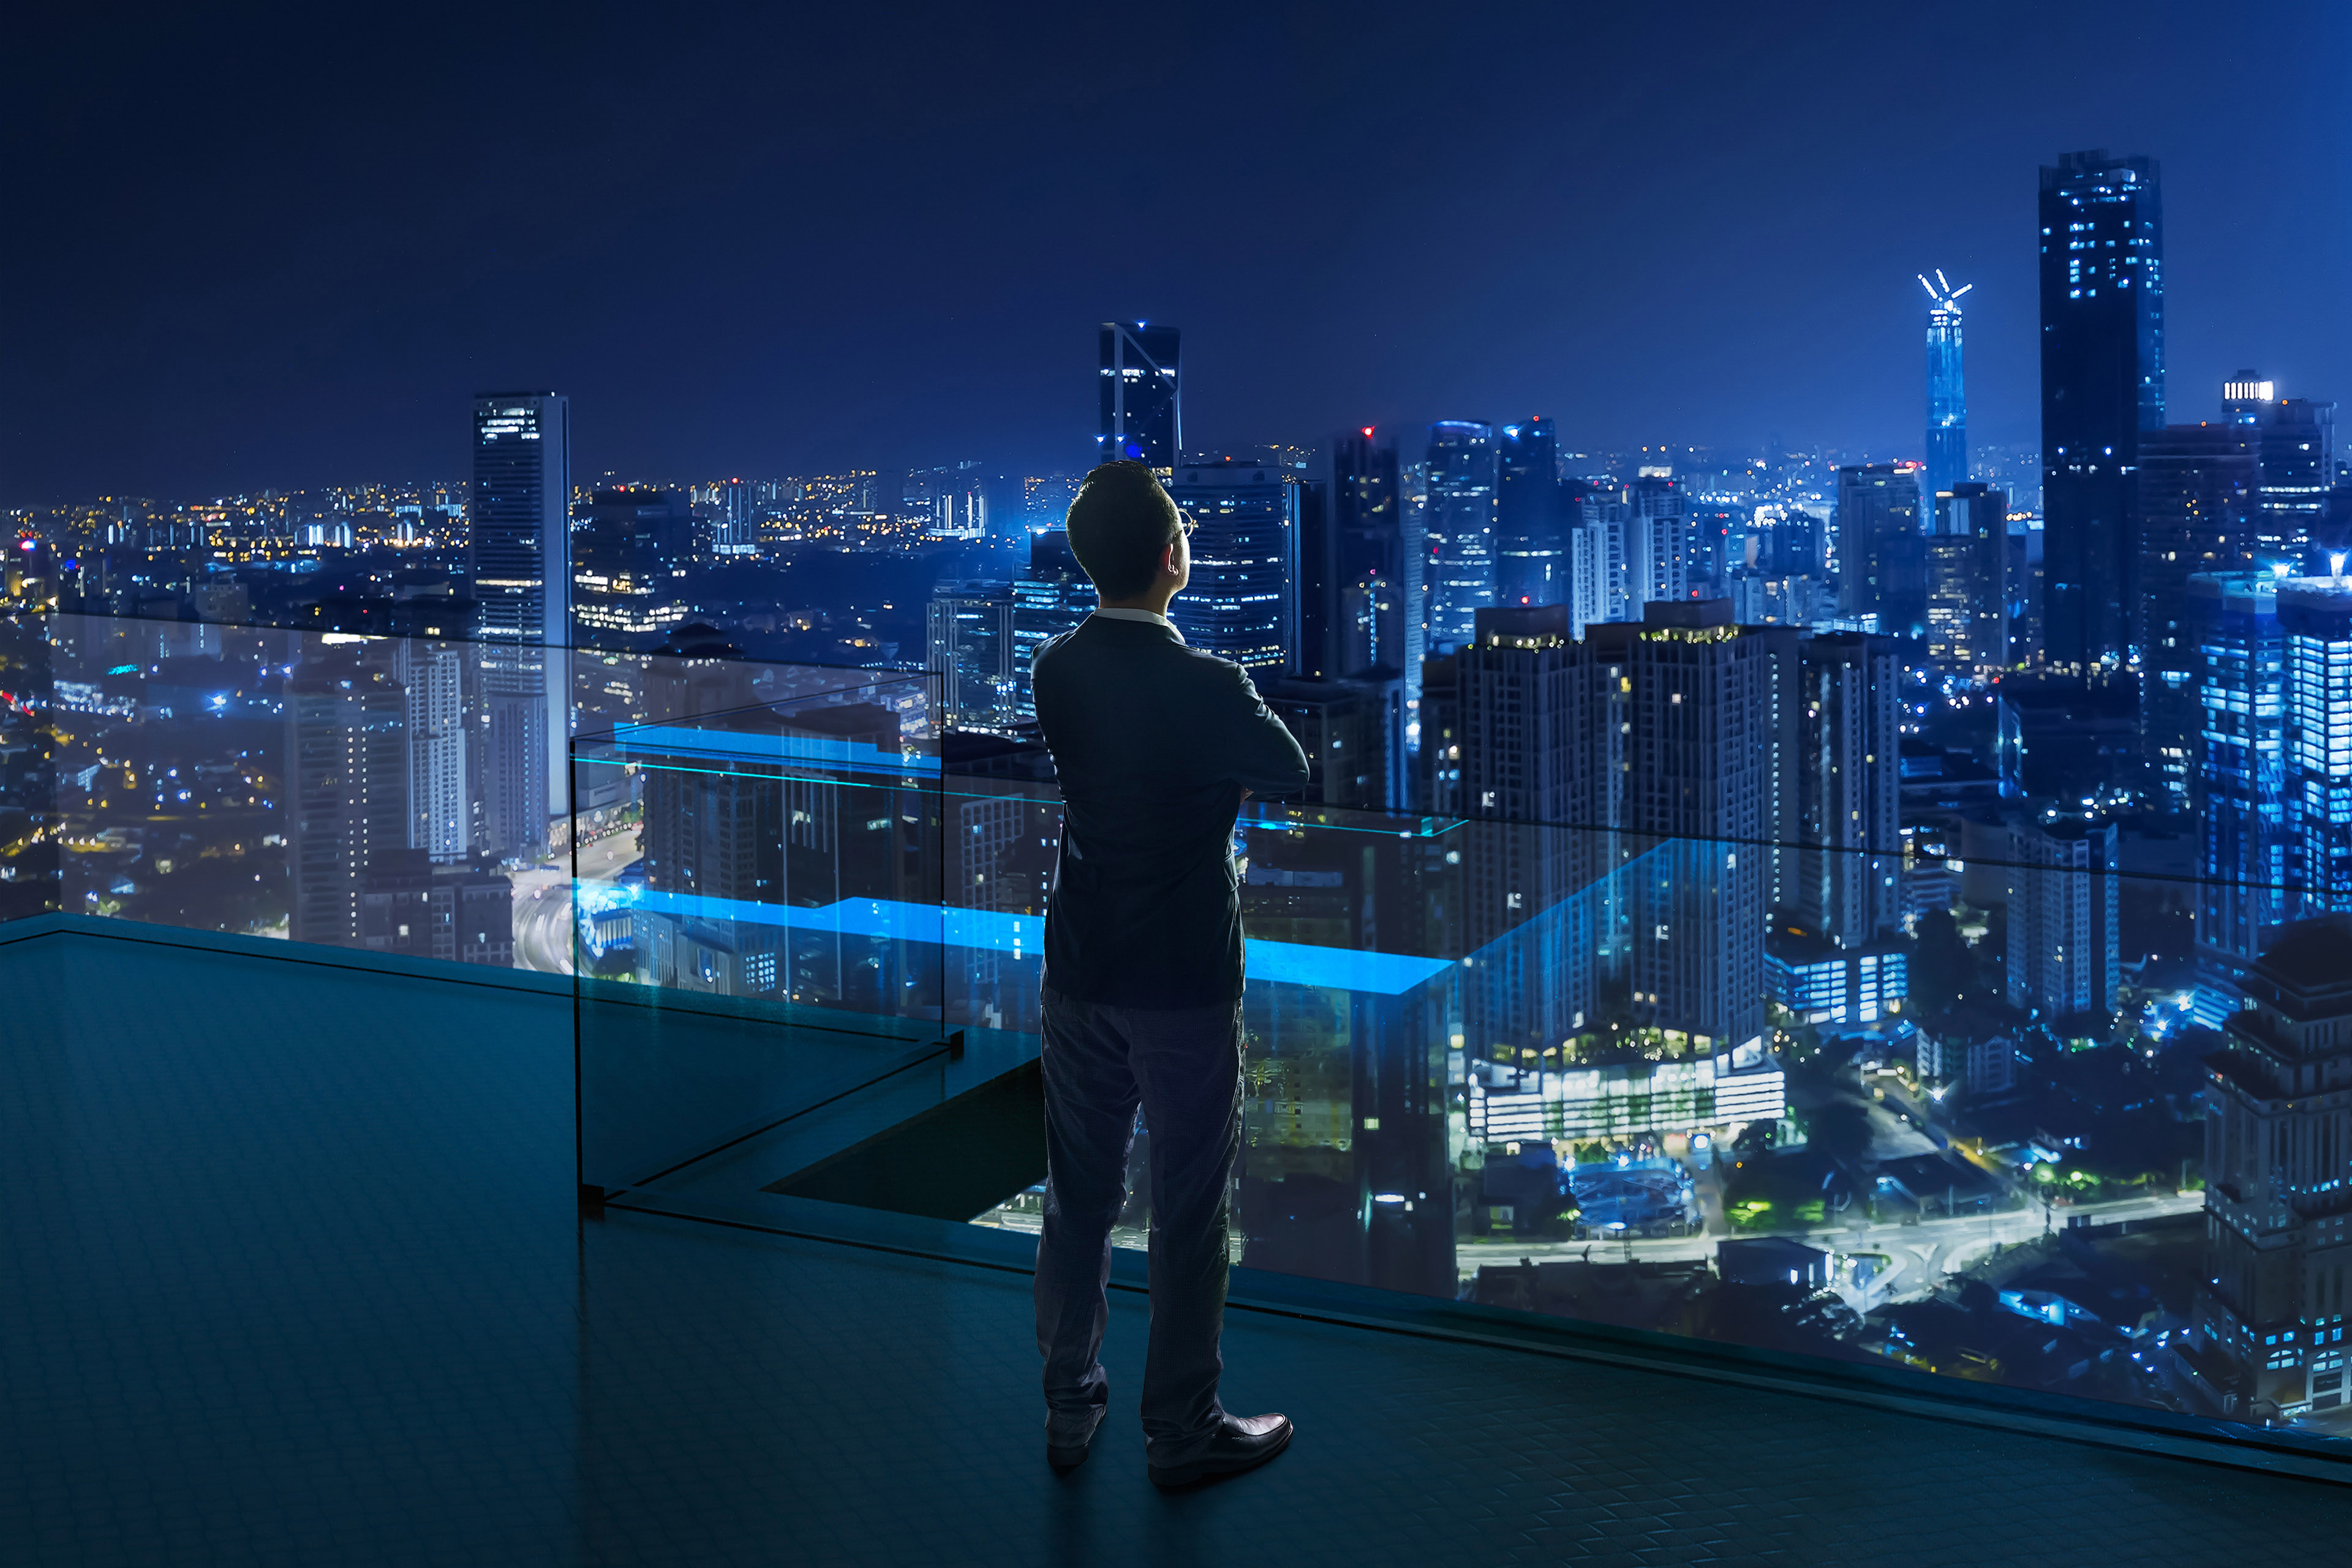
[290, 1274]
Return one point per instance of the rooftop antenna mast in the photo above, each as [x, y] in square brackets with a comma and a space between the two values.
[1941, 291]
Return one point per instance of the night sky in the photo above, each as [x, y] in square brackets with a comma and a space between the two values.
[281, 248]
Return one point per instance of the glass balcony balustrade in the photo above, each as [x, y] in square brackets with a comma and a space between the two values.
[1988, 1097]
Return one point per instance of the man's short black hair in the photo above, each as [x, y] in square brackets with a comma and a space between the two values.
[1121, 522]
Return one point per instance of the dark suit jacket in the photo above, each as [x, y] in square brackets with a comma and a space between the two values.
[1154, 742]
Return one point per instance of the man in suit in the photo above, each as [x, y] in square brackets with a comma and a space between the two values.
[1156, 746]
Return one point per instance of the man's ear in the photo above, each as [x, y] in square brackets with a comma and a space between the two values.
[1168, 562]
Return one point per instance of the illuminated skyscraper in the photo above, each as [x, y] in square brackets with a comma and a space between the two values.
[631, 554]
[1530, 524]
[519, 560]
[440, 803]
[1141, 410]
[2102, 386]
[1657, 541]
[1246, 520]
[2316, 621]
[1967, 556]
[346, 788]
[1948, 401]
[2294, 440]
[1837, 952]
[2063, 956]
[1460, 529]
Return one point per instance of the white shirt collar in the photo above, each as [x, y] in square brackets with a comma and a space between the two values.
[1157, 620]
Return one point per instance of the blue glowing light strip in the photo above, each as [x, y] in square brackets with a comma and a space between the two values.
[659, 741]
[1276, 963]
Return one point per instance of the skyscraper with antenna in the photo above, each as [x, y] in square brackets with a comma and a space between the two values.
[1948, 401]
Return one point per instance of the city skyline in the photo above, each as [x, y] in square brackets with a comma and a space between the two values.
[1699, 290]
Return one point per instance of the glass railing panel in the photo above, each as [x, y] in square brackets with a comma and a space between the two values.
[326, 786]
[1975, 1118]
[757, 930]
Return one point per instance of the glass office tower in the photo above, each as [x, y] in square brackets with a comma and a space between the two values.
[2102, 384]
[2293, 442]
[1376, 623]
[1244, 560]
[1141, 409]
[2197, 497]
[1460, 529]
[520, 562]
[1881, 552]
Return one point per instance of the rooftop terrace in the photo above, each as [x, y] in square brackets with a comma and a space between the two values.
[294, 1272]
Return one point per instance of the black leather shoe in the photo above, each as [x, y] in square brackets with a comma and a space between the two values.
[1241, 1443]
[1068, 1449]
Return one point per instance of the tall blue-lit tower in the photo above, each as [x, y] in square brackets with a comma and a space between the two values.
[1947, 397]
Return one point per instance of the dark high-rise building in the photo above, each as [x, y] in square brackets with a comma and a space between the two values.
[2267, 1332]
[1541, 744]
[2064, 953]
[2102, 386]
[2196, 499]
[2294, 440]
[519, 563]
[519, 521]
[1352, 731]
[1968, 561]
[1460, 528]
[1531, 517]
[1050, 598]
[456, 913]
[1837, 952]
[1378, 602]
[1947, 399]
[1246, 519]
[1141, 409]
[631, 554]
[1882, 551]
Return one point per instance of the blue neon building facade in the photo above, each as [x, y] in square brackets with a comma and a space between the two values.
[2238, 786]
[2316, 621]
